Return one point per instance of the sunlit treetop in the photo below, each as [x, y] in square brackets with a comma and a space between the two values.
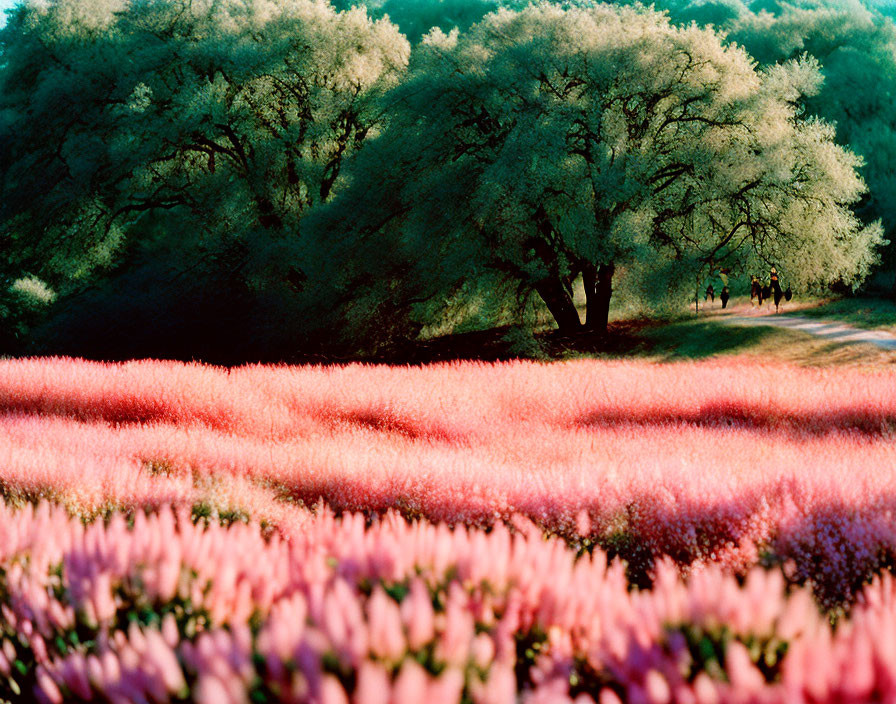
[855, 44]
[559, 141]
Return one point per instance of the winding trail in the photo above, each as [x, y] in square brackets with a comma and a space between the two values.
[836, 332]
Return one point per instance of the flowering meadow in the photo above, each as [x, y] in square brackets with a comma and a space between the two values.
[716, 531]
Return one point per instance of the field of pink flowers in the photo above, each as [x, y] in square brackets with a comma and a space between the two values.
[176, 532]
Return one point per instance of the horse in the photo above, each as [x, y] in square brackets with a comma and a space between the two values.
[776, 289]
[755, 291]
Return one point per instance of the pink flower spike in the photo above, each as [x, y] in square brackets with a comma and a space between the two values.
[47, 690]
[386, 638]
[657, 688]
[373, 684]
[417, 614]
[212, 690]
[332, 691]
[741, 672]
[447, 688]
[499, 688]
[410, 685]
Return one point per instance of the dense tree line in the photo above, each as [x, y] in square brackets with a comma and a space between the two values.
[853, 40]
[248, 179]
[855, 45]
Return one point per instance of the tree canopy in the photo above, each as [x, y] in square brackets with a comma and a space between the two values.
[215, 171]
[213, 126]
[853, 40]
[553, 142]
[855, 44]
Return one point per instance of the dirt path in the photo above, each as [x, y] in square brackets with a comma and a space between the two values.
[836, 332]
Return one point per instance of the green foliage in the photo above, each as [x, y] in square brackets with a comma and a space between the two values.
[551, 142]
[22, 304]
[184, 141]
[415, 18]
[529, 645]
[522, 343]
[170, 166]
[872, 313]
[707, 648]
[854, 43]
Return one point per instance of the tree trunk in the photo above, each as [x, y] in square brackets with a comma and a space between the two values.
[552, 289]
[589, 280]
[560, 304]
[598, 291]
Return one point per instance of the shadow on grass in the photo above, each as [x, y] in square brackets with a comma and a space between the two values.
[661, 340]
[623, 339]
[698, 339]
[678, 339]
[861, 312]
[749, 417]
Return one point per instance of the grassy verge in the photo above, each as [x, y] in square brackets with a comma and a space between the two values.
[702, 338]
[869, 313]
[681, 335]
[699, 336]
[684, 335]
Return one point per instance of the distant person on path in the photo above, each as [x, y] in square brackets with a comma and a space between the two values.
[710, 294]
[776, 288]
[725, 295]
[755, 291]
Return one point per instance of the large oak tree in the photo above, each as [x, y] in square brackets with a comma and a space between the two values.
[551, 143]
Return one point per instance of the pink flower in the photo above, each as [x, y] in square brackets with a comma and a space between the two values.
[483, 651]
[332, 692]
[657, 688]
[47, 690]
[447, 688]
[744, 676]
[410, 685]
[705, 690]
[163, 657]
[454, 644]
[417, 615]
[499, 688]
[212, 690]
[608, 696]
[384, 620]
[373, 684]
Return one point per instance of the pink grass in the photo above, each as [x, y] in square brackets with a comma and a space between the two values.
[706, 462]
[692, 472]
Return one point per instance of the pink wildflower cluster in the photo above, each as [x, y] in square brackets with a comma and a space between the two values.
[718, 462]
[405, 612]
